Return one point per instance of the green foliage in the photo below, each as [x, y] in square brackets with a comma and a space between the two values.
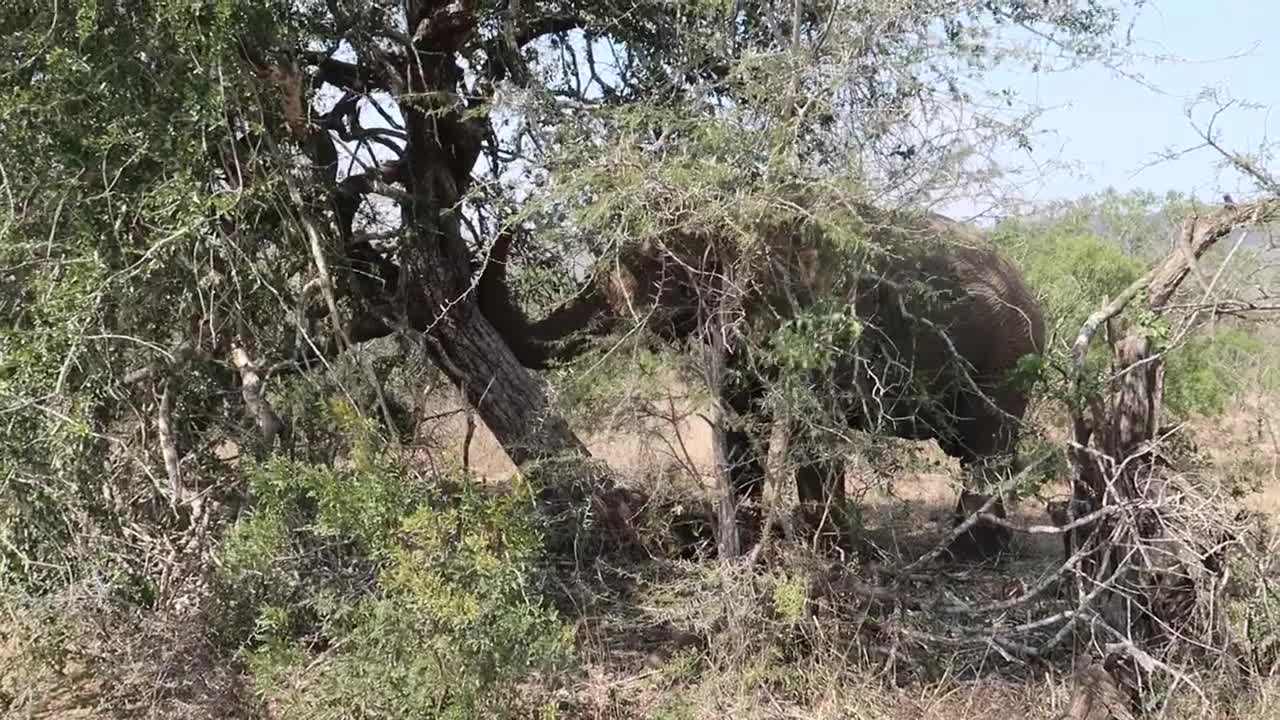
[118, 111]
[1137, 223]
[790, 596]
[1203, 374]
[1072, 271]
[374, 595]
[624, 374]
[718, 181]
[815, 337]
[1080, 254]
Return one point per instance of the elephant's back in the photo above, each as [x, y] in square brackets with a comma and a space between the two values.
[996, 290]
[969, 289]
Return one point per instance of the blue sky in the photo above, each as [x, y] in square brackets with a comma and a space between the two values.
[1113, 126]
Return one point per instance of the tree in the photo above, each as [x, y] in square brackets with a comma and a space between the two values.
[1151, 602]
[217, 200]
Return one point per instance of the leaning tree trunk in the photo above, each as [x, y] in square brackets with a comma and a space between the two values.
[435, 286]
[511, 401]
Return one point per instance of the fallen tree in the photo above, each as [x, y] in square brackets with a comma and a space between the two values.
[1152, 569]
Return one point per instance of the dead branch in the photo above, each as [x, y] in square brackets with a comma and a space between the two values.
[1264, 179]
[1080, 348]
[1201, 233]
[974, 517]
[1196, 236]
[169, 443]
[253, 391]
[315, 244]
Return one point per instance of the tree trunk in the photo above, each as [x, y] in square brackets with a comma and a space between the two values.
[511, 401]
[435, 289]
[1152, 566]
[727, 502]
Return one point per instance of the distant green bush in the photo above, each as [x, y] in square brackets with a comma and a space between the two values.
[1071, 270]
[1202, 375]
[1074, 272]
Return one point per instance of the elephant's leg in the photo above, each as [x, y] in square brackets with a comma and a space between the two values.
[982, 442]
[819, 483]
[746, 468]
[983, 439]
[821, 491]
[746, 449]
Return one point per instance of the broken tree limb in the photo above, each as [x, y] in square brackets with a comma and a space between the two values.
[1150, 599]
[169, 443]
[1199, 234]
[1196, 236]
[253, 392]
[316, 245]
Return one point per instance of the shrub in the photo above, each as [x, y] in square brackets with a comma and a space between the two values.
[1074, 271]
[1203, 375]
[366, 592]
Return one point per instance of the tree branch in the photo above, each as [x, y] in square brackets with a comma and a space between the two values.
[1197, 235]
[169, 443]
[253, 391]
[538, 344]
[1202, 233]
[359, 77]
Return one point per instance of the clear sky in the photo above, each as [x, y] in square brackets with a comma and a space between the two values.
[1111, 126]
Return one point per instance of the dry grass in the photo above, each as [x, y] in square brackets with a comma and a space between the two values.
[633, 449]
[685, 640]
[1244, 445]
[692, 641]
[82, 654]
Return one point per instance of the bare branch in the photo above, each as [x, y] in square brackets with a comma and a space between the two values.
[169, 443]
[253, 391]
[1260, 175]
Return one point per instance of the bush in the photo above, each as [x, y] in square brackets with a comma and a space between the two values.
[1202, 376]
[1071, 270]
[1074, 271]
[366, 592]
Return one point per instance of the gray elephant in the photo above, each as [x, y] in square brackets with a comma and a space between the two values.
[946, 320]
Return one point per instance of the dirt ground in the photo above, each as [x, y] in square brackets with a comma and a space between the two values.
[1245, 440]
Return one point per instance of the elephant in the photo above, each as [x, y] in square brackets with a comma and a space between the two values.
[945, 321]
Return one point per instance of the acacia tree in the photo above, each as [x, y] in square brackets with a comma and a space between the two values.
[206, 202]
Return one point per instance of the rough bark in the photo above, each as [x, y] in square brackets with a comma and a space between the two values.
[428, 294]
[442, 147]
[512, 402]
[727, 499]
